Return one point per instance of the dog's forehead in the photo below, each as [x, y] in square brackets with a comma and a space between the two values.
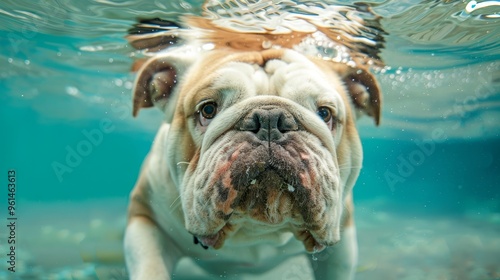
[285, 73]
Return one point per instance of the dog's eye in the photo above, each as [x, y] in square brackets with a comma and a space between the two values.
[325, 114]
[207, 112]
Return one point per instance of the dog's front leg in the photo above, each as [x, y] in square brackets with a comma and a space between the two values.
[146, 254]
[337, 262]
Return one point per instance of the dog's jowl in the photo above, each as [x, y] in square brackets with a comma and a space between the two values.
[259, 152]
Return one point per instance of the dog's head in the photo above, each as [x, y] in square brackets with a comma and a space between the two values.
[260, 140]
[269, 136]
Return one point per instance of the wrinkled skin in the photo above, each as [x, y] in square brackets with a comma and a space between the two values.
[267, 168]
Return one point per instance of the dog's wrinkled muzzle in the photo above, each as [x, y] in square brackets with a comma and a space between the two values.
[267, 169]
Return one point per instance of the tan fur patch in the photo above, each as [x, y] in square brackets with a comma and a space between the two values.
[139, 198]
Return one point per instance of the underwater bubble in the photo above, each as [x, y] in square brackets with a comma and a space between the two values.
[118, 82]
[27, 62]
[128, 85]
[267, 44]
[73, 91]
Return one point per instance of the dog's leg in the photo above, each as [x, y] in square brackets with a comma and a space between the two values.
[146, 255]
[337, 262]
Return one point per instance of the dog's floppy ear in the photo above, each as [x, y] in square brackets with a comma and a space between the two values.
[154, 84]
[362, 87]
[365, 92]
[157, 76]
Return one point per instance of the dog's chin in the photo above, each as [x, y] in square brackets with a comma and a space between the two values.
[216, 241]
[272, 186]
[258, 203]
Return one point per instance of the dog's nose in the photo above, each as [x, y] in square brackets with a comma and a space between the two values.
[269, 123]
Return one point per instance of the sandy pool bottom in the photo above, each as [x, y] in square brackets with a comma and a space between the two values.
[82, 240]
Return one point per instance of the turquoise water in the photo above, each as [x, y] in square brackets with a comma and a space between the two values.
[428, 197]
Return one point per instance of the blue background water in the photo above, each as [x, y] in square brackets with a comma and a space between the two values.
[65, 69]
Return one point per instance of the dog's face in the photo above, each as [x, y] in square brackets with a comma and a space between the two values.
[260, 141]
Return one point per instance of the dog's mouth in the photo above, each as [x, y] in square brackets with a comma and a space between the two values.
[207, 241]
[276, 186]
[216, 241]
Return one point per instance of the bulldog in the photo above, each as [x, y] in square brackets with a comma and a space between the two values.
[259, 152]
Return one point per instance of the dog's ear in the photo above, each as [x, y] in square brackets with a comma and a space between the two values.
[155, 83]
[364, 91]
[361, 85]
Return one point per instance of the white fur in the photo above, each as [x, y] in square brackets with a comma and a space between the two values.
[154, 247]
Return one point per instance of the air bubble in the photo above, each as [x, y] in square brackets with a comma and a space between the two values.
[267, 44]
[72, 91]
